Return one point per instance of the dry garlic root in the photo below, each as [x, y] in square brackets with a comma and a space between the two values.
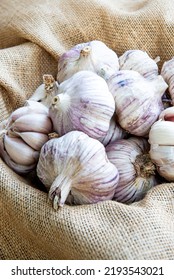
[138, 101]
[161, 139]
[93, 56]
[46, 91]
[167, 72]
[141, 62]
[23, 135]
[75, 168]
[135, 168]
[83, 103]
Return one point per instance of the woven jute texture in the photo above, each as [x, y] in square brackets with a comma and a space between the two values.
[33, 34]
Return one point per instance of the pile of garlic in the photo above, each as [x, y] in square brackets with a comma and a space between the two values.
[91, 133]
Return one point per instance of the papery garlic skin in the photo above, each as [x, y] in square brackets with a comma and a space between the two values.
[75, 165]
[136, 170]
[83, 103]
[139, 61]
[161, 139]
[138, 101]
[93, 56]
[167, 72]
[46, 91]
[115, 132]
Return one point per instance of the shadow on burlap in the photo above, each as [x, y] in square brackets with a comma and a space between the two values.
[33, 34]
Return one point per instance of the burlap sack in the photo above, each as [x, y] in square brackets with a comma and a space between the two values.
[33, 34]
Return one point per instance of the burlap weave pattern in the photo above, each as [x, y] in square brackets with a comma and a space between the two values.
[33, 34]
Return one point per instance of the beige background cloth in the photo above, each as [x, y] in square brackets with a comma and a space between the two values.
[33, 34]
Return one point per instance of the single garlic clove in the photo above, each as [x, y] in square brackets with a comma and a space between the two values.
[138, 100]
[167, 114]
[93, 56]
[37, 107]
[141, 62]
[34, 139]
[83, 103]
[20, 169]
[20, 152]
[76, 165]
[136, 170]
[33, 123]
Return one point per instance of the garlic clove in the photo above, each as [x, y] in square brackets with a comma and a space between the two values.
[141, 62]
[162, 133]
[20, 152]
[34, 139]
[167, 114]
[93, 56]
[37, 107]
[20, 169]
[33, 123]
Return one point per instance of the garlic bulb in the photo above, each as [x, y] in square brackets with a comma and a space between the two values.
[114, 133]
[22, 136]
[138, 101]
[46, 91]
[141, 62]
[136, 170]
[167, 72]
[161, 139]
[75, 167]
[83, 103]
[94, 56]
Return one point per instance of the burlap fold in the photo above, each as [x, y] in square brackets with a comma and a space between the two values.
[33, 34]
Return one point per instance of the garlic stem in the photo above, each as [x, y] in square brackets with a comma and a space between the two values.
[59, 190]
[144, 166]
[85, 51]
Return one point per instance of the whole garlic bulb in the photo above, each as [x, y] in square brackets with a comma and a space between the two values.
[75, 167]
[161, 139]
[167, 72]
[138, 101]
[94, 56]
[83, 103]
[23, 135]
[46, 91]
[141, 62]
[135, 168]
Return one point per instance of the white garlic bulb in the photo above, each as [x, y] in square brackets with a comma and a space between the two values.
[83, 103]
[46, 91]
[167, 72]
[141, 62]
[94, 56]
[161, 139]
[75, 167]
[136, 170]
[115, 132]
[138, 101]
[22, 136]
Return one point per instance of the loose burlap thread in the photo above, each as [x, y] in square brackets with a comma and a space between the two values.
[33, 34]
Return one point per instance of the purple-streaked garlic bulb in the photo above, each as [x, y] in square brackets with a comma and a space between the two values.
[135, 168]
[75, 168]
[22, 136]
[114, 133]
[83, 103]
[138, 101]
[167, 72]
[94, 56]
[161, 139]
[141, 62]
